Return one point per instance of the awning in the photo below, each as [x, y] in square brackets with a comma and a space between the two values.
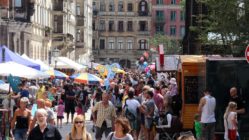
[64, 62]
[11, 56]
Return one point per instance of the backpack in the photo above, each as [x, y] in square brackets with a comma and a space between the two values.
[130, 116]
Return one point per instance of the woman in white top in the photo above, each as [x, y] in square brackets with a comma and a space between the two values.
[231, 122]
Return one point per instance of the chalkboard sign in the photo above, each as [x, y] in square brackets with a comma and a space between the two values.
[193, 87]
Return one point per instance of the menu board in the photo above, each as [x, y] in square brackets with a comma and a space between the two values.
[193, 87]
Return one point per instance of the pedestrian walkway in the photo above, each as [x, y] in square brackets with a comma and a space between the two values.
[66, 128]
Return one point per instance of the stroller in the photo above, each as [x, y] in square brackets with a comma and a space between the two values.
[163, 130]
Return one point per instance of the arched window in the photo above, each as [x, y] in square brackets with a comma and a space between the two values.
[143, 8]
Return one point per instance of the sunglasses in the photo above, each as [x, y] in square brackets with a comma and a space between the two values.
[78, 122]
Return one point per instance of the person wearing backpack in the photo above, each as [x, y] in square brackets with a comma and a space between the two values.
[148, 109]
[131, 112]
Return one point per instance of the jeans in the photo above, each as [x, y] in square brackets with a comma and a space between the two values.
[207, 131]
[20, 134]
[101, 130]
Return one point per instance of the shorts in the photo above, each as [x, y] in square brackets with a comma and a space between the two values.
[148, 123]
[20, 134]
[60, 117]
[69, 107]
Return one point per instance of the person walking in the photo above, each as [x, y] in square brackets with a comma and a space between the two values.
[78, 131]
[105, 116]
[44, 131]
[231, 122]
[21, 120]
[60, 111]
[70, 102]
[206, 108]
[122, 129]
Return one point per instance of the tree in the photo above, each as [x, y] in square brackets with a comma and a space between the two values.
[226, 23]
[171, 46]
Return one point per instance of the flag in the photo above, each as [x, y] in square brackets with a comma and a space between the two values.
[14, 82]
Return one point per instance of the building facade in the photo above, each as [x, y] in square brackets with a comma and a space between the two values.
[83, 47]
[64, 27]
[168, 18]
[121, 30]
[25, 29]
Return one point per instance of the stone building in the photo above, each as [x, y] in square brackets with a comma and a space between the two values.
[24, 28]
[121, 30]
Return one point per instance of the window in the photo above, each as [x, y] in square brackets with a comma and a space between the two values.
[159, 16]
[102, 44]
[121, 26]
[160, 2]
[142, 44]
[111, 44]
[129, 7]
[78, 35]
[142, 26]
[78, 10]
[111, 25]
[120, 44]
[93, 44]
[101, 25]
[172, 30]
[173, 1]
[182, 31]
[129, 44]
[55, 24]
[182, 18]
[129, 26]
[111, 6]
[159, 29]
[102, 6]
[173, 15]
[143, 6]
[93, 26]
[18, 3]
[120, 6]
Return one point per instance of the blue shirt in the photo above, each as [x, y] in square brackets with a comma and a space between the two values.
[24, 93]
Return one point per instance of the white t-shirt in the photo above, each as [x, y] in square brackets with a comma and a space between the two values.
[5, 103]
[228, 124]
[112, 136]
[132, 105]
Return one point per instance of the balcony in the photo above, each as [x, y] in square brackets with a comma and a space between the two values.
[159, 19]
[143, 13]
[144, 33]
[58, 6]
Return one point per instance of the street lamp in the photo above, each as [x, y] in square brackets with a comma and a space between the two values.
[56, 53]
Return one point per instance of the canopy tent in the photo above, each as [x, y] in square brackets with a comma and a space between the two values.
[87, 78]
[64, 62]
[11, 56]
[56, 74]
[19, 70]
[43, 66]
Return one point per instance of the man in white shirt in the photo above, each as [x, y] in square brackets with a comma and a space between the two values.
[207, 110]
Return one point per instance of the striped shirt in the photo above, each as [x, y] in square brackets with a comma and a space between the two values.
[104, 114]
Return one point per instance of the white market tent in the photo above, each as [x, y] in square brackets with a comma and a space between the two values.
[43, 66]
[15, 69]
[64, 62]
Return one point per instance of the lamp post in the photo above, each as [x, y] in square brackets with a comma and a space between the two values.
[56, 53]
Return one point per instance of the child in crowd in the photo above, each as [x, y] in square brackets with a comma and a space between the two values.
[60, 111]
[197, 125]
[79, 109]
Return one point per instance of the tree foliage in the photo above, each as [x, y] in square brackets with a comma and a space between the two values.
[171, 46]
[227, 21]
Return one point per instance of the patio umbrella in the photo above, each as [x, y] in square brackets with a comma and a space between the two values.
[87, 78]
[2, 82]
[19, 70]
[56, 74]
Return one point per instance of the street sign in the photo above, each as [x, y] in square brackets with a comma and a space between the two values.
[247, 53]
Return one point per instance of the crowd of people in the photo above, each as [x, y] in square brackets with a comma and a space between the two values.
[126, 107]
